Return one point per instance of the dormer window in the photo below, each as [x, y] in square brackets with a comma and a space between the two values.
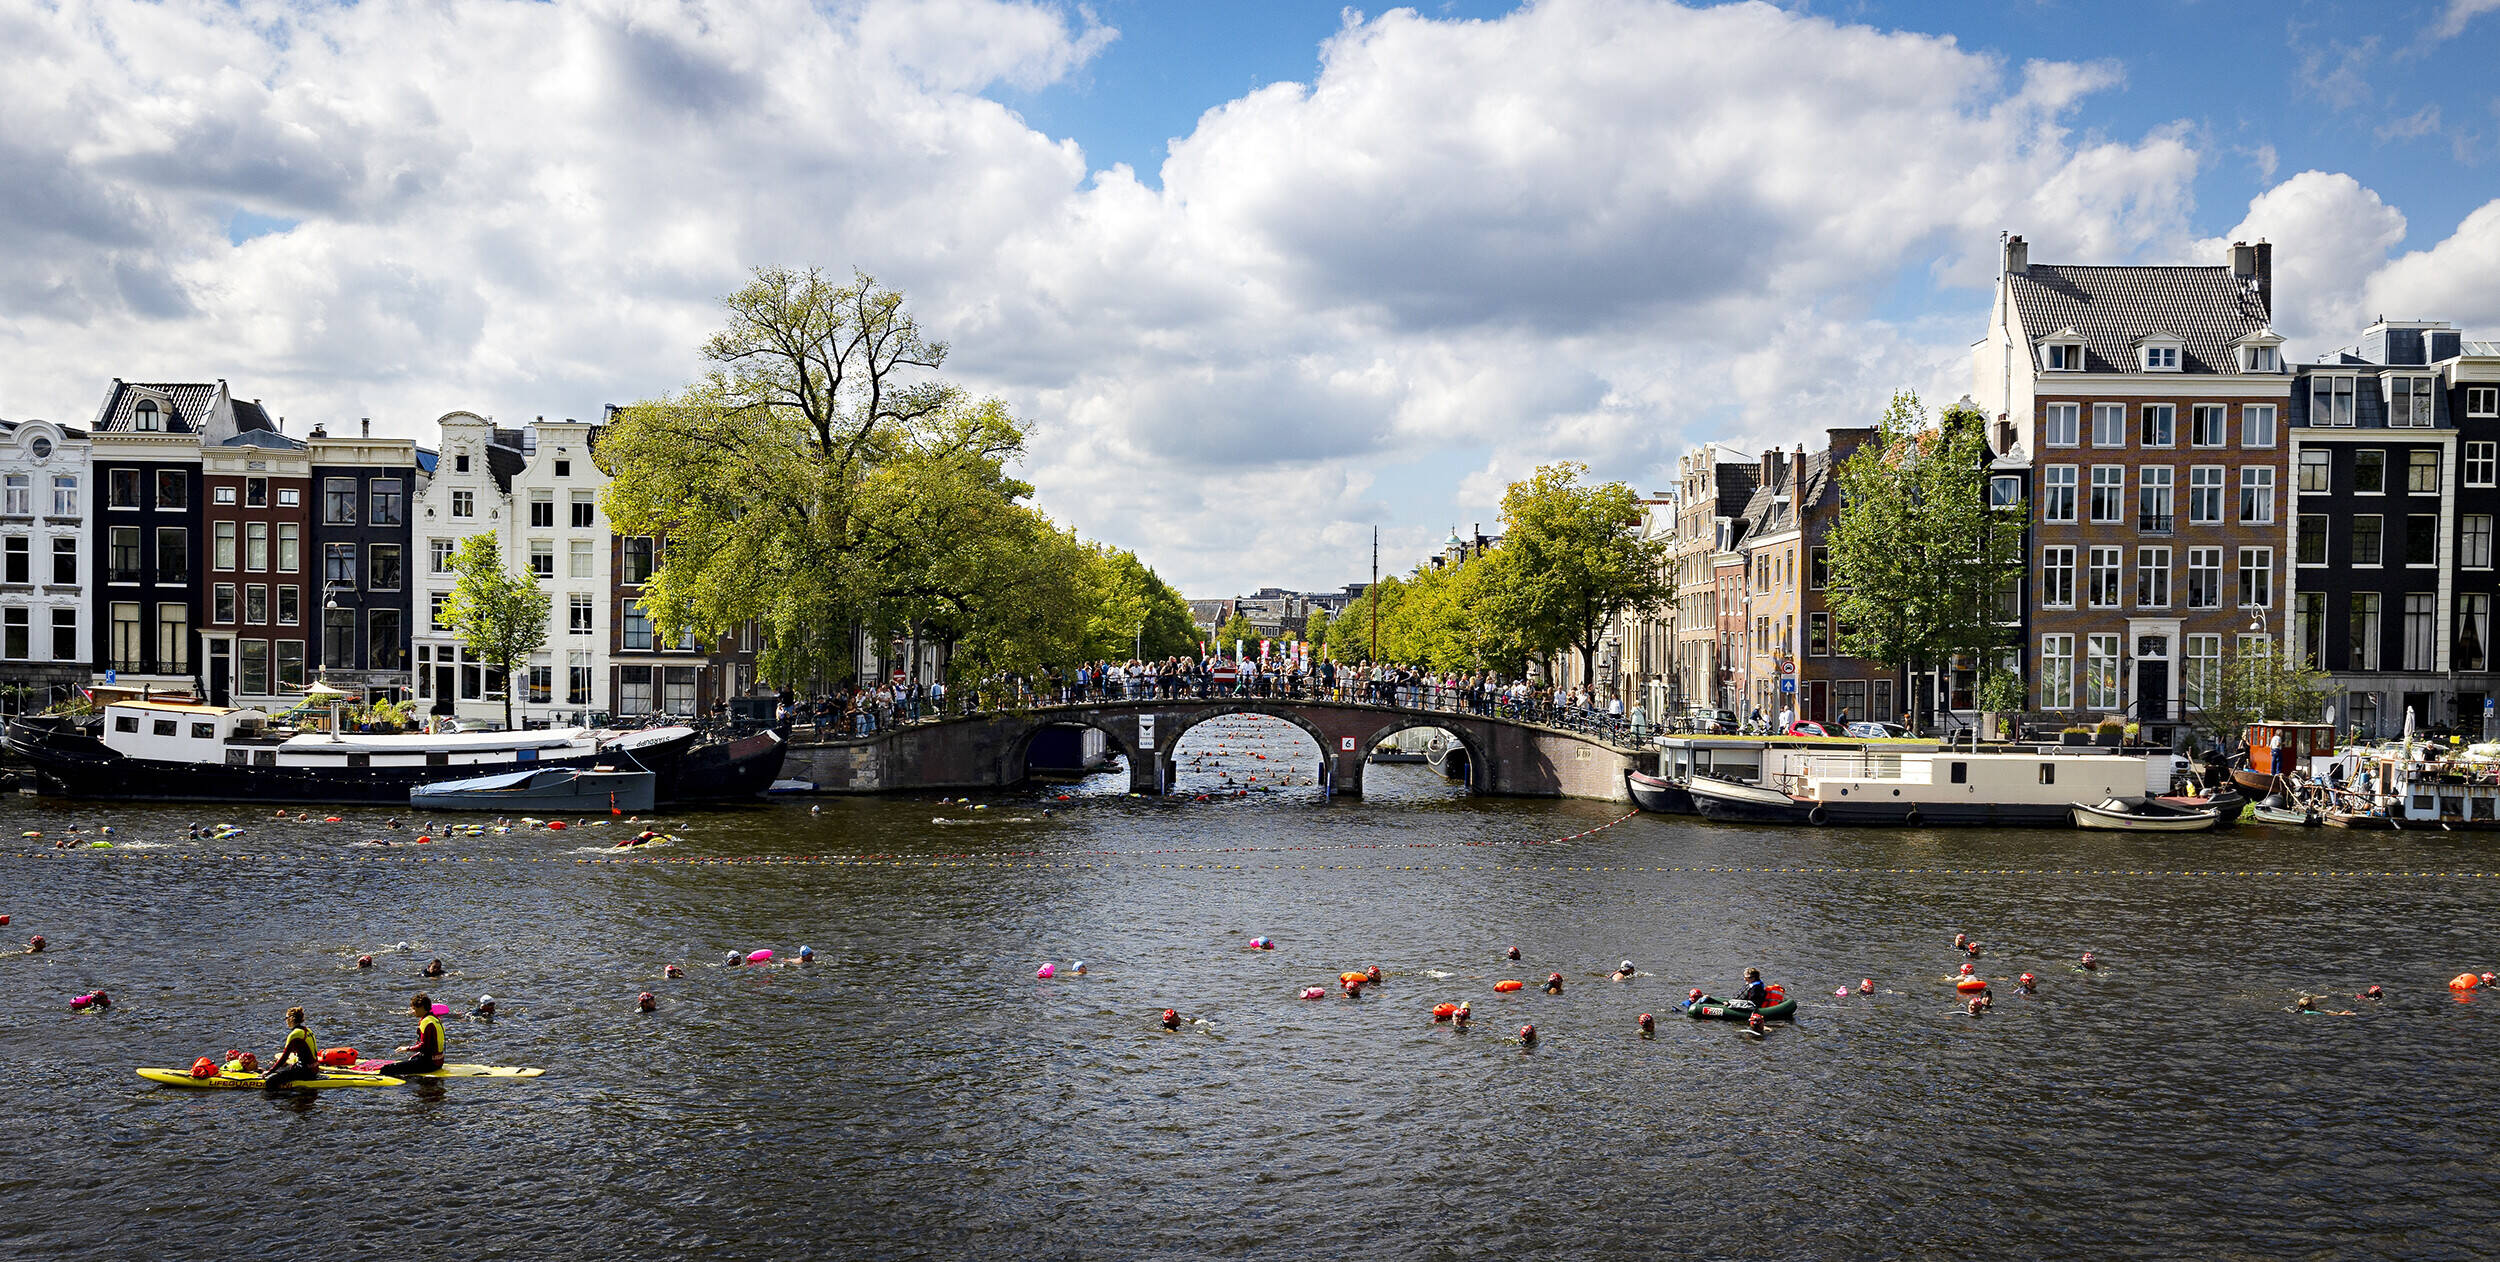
[146, 417]
[2062, 357]
[2161, 359]
[2260, 359]
[2409, 401]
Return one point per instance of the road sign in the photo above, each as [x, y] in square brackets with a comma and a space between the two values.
[1145, 731]
[1346, 743]
[898, 675]
[1788, 684]
[108, 676]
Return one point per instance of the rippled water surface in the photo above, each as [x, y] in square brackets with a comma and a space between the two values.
[919, 1092]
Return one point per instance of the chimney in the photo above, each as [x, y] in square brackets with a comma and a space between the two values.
[1798, 469]
[2017, 255]
[2243, 260]
[365, 426]
[1770, 461]
[2264, 268]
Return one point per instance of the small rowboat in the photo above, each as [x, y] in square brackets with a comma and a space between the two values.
[2285, 816]
[1706, 1008]
[2144, 815]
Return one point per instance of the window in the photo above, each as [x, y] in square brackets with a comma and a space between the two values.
[583, 561]
[2152, 498]
[464, 503]
[2478, 463]
[2200, 684]
[2409, 402]
[256, 492]
[2109, 425]
[2473, 630]
[2005, 491]
[123, 489]
[2369, 472]
[542, 510]
[64, 560]
[123, 554]
[65, 635]
[1819, 634]
[677, 689]
[2151, 578]
[223, 546]
[2205, 427]
[338, 501]
[2482, 400]
[2104, 578]
[290, 655]
[2161, 359]
[17, 561]
[2422, 471]
[2361, 637]
[2204, 578]
[2310, 547]
[290, 497]
[2330, 400]
[2057, 672]
[460, 463]
[2256, 578]
[438, 556]
[2100, 673]
[542, 684]
[585, 510]
[129, 637]
[2317, 472]
[543, 558]
[146, 417]
[382, 568]
[222, 495]
[338, 638]
[17, 498]
[2062, 357]
[290, 547]
[2057, 577]
[2205, 494]
[385, 643]
[2261, 359]
[2422, 539]
[434, 611]
[577, 678]
[65, 495]
[388, 502]
[2256, 495]
[2420, 613]
[564, 468]
[173, 554]
[256, 604]
[579, 613]
[2256, 425]
[2063, 428]
[255, 545]
[2057, 494]
[290, 604]
[2109, 491]
[338, 565]
[254, 658]
[2474, 541]
[633, 690]
[13, 634]
[173, 638]
[2161, 424]
[173, 489]
[637, 627]
[221, 604]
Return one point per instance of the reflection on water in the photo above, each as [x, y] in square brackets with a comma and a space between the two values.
[920, 1091]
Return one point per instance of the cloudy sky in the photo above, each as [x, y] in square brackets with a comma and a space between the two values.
[1261, 274]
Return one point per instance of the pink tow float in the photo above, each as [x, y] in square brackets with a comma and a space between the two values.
[759, 957]
[1047, 971]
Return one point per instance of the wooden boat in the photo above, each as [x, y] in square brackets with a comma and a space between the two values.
[2278, 749]
[1731, 800]
[2226, 801]
[2285, 816]
[1664, 797]
[2144, 815]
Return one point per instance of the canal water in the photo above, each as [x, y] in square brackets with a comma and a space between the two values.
[918, 1091]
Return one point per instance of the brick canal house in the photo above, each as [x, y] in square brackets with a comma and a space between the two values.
[1714, 484]
[2148, 405]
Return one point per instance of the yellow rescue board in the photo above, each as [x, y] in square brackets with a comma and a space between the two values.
[455, 1069]
[253, 1082]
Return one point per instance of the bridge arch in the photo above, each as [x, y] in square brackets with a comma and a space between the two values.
[1282, 709]
[1477, 755]
[1018, 766]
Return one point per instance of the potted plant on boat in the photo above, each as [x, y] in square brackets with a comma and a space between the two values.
[2001, 701]
[2111, 732]
[2075, 734]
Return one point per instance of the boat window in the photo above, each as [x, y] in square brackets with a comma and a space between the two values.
[1961, 773]
[203, 731]
[527, 755]
[125, 723]
[238, 757]
[360, 760]
[264, 758]
[164, 727]
[2048, 773]
[438, 759]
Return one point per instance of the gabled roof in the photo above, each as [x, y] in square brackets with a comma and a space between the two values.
[2113, 308]
[1737, 484]
[184, 405]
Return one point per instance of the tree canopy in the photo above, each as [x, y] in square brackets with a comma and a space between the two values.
[1572, 558]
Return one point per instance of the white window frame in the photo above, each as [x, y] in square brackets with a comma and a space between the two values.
[2339, 389]
[2109, 486]
[2256, 419]
[2152, 578]
[2113, 434]
[2057, 672]
[2256, 571]
[2204, 479]
[2326, 550]
[2055, 562]
[2055, 479]
[2481, 461]
[2325, 466]
[2474, 541]
[2416, 389]
[2220, 431]
[2207, 562]
[2149, 480]
[2482, 400]
[2257, 486]
[2071, 414]
[2105, 576]
[2103, 671]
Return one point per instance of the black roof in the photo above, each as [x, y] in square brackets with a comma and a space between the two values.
[2208, 308]
[187, 407]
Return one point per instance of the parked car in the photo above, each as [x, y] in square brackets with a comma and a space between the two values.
[1871, 730]
[1807, 727]
[1704, 719]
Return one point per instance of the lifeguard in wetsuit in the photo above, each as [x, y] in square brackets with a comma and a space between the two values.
[426, 1054]
[298, 1059]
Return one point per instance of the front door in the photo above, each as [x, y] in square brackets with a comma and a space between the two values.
[446, 685]
[220, 670]
[2152, 691]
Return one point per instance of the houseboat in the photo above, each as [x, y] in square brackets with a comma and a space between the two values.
[1880, 784]
[184, 750]
[1734, 759]
[2274, 750]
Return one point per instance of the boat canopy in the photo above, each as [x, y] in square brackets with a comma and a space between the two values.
[485, 784]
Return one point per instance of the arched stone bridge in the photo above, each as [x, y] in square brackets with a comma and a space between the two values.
[1505, 756]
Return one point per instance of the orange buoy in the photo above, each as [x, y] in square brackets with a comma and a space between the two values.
[1508, 986]
[1355, 978]
[556, 825]
[1443, 1011]
[1968, 984]
[2464, 981]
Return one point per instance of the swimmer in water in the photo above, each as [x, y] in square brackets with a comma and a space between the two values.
[364, 961]
[1553, 983]
[392, 823]
[1171, 1019]
[734, 960]
[1756, 1026]
[1622, 974]
[434, 967]
[2373, 994]
[99, 1000]
[1975, 1009]
[34, 945]
[2027, 985]
[1459, 1018]
[1527, 1035]
[1372, 974]
[1514, 953]
[1649, 1025]
[807, 956]
[645, 1002]
[485, 1010]
[1972, 950]
[1961, 941]
[671, 970]
[2088, 963]
[2309, 1004]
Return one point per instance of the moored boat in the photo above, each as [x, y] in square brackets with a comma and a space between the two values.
[1664, 797]
[556, 790]
[1708, 1008]
[2285, 816]
[2143, 815]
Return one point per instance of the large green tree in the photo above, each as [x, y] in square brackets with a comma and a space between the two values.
[2253, 684]
[1573, 559]
[1920, 563]
[1134, 612]
[500, 615]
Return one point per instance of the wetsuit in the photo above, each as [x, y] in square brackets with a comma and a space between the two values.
[301, 1057]
[1756, 993]
[429, 1054]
